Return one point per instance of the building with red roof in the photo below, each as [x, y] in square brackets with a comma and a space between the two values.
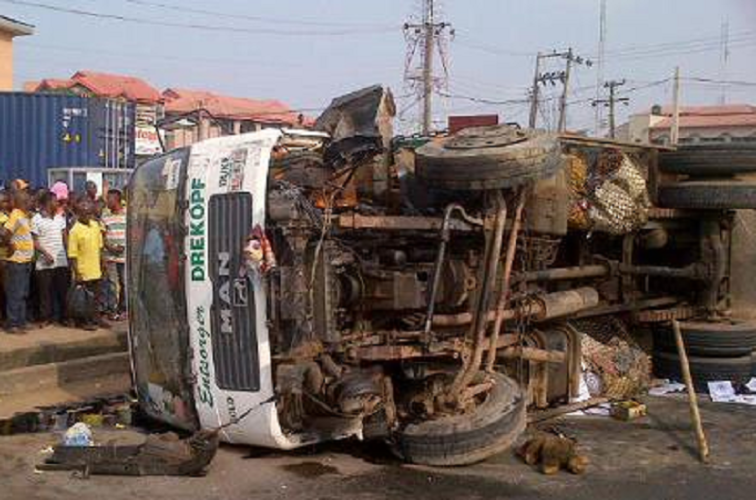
[184, 116]
[96, 84]
[698, 124]
[193, 115]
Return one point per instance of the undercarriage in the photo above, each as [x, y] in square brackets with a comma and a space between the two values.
[430, 293]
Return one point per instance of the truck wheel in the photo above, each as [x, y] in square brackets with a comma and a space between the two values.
[466, 439]
[708, 194]
[703, 370]
[730, 338]
[710, 159]
[488, 158]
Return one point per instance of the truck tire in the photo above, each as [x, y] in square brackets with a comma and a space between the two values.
[466, 439]
[487, 161]
[703, 370]
[710, 159]
[730, 338]
[708, 195]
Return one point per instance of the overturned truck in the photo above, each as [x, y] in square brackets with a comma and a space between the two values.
[290, 287]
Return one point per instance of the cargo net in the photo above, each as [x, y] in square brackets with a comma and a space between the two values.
[614, 365]
[610, 197]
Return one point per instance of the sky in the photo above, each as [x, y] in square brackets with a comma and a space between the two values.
[307, 52]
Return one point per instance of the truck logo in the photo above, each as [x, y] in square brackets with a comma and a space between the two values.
[241, 292]
[225, 315]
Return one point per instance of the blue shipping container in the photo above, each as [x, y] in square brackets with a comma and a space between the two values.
[41, 131]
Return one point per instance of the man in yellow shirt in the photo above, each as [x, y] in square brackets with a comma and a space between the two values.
[5, 208]
[16, 233]
[85, 257]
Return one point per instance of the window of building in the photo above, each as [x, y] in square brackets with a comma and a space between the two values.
[709, 140]
[661, 139]
[748, 138]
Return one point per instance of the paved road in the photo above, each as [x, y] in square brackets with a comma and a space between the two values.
[648, 459]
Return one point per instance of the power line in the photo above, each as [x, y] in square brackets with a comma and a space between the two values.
[152, 55]
[263, 19]
[490, 49]
[721, 82]
[483, 100]
[195, 26]
[676, 45]
[716, 46]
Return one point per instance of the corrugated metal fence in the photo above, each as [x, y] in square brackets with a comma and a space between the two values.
[40, 131]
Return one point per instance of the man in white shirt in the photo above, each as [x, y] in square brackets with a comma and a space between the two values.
[51, 269]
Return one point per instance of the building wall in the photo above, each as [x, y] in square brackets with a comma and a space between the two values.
[638, 128]
[700, 135]
[207, 129]
[6, 61]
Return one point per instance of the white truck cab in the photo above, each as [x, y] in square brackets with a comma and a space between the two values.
[199, 333]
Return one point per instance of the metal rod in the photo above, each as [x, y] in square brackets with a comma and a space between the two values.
[542, 308]
[479, 324]
[504, 292]
[438, 268]
[565, 273]
[695, 415]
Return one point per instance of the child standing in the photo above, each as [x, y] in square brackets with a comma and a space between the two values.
[85, 256]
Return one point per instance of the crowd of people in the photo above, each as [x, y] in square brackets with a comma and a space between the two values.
[62, 257]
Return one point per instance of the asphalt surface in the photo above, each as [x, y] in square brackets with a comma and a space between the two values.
[651, 458]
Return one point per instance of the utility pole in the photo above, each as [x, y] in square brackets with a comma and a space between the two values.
[674, 133]
[724, 59]
[610, 102]
[600, 65]
[565, 88]
[430, 35]
[534, 93]
[552, 77]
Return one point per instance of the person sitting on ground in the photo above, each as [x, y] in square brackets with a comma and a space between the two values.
[17, 233]
[85, 246]
[114, 222]
[51, 270]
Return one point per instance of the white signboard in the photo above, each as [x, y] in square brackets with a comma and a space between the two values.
[147, 142]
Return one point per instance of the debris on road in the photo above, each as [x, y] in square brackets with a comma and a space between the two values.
[666, 387]
[159, 455]
[553, 453]
[78, 435]
[628, 410]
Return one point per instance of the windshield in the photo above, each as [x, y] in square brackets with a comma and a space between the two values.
[158, 326]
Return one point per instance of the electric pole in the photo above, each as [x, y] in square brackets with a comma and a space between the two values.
[552, 77]
[565, 88]
[428, 67]
[600, 65]
[674, 133]
[534, 93]
[610, 102]
[724, 59]
[430, 35]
